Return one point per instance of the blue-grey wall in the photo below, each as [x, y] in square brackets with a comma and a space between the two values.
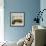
[30, 7]
[43, 6]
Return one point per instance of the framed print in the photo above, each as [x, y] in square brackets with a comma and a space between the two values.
[17, 19]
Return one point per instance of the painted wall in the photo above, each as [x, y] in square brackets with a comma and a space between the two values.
[30, 7]
[43, 6]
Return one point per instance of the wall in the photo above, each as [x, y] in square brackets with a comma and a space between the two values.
[43, 6]
[30, 7]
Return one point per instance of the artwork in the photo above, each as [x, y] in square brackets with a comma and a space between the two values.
[17, 19]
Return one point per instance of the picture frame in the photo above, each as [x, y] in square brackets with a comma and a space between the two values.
[17, 19]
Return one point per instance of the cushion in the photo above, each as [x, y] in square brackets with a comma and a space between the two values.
[20, 42]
